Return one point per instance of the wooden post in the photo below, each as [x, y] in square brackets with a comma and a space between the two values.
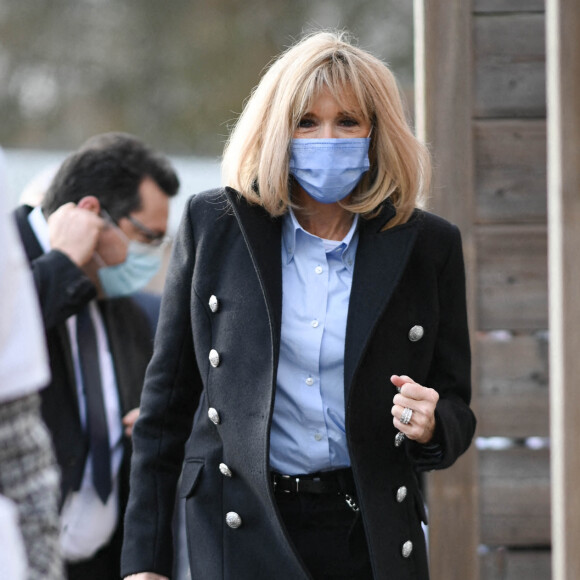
[444, 121]
[563, 90]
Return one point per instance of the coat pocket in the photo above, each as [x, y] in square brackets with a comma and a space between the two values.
[189, 477]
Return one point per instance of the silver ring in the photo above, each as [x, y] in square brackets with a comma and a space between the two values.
[406, 416]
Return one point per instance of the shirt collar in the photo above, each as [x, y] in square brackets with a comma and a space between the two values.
[39, 226]
[291, 226]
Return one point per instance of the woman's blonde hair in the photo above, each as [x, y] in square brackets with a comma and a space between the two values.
[256, 157]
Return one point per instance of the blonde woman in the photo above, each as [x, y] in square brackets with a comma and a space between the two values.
[312, 353]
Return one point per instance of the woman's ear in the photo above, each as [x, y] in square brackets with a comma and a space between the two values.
[91, 203]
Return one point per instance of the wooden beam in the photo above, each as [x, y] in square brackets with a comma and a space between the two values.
[563, 89]
[443, 112]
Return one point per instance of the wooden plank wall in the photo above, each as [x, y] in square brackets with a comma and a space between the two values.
[509, 134]
[481, 105]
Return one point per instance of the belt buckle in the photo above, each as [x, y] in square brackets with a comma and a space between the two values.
[297, 481]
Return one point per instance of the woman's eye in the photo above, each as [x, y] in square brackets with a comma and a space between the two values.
[305, 123]
[349, 123]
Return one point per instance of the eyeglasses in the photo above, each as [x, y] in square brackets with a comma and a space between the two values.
[154, 239]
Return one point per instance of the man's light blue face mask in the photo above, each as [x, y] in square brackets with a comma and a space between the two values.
[142, 263]
[329, 169]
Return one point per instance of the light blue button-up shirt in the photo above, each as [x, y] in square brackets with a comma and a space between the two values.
[308, 425]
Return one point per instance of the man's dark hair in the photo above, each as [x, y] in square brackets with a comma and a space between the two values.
[110, 166]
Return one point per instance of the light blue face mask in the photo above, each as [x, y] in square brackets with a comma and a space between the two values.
[329, 169]
[142, 263]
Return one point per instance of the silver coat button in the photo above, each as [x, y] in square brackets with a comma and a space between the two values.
[213, 415]
[416, 333]
[213, 303]
[407, 549]
[399, 438]
[225, 470]
[214, 357]
[401, 494]
[234, 520]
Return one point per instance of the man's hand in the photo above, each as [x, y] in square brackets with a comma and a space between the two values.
[129, 420]
[75, 232]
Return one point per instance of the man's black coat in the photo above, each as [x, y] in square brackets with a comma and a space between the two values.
[63, 290]
[410, 275]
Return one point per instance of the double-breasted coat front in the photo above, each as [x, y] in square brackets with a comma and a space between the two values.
[223, 301]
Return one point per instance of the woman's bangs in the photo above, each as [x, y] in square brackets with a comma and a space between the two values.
[303, 97]
[350, 95]
[342, 81]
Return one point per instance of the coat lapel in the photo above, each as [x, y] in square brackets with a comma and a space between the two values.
[29, 240]
[33, 251]
[263, 236]
[380, 261]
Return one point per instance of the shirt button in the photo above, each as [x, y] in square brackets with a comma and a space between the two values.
[314, 323]
[318, 436]
[318, 269]
[309, 381]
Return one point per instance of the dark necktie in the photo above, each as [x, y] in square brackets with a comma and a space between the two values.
[96, 419]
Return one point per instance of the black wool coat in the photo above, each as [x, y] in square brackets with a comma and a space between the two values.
[405, 276]
[63, 290]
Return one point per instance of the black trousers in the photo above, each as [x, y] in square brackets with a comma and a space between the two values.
[328, 535]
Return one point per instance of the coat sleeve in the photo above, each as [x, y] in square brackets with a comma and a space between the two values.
[170, 395]
[62, 287]
[450, 372]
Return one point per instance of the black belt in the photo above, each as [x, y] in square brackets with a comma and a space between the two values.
[339, 481]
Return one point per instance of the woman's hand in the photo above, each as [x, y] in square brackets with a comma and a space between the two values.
[146, 576]
[422, 402]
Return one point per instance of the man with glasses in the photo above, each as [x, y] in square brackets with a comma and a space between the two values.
[96, 240]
